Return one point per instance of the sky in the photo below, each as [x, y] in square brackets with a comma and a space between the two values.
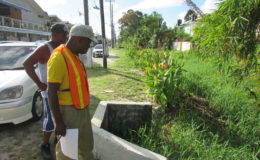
[73, 10]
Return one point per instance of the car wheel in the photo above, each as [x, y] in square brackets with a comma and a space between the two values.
[37, 107]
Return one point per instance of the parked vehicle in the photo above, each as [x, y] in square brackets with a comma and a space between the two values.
[19, 96]
[98, 51]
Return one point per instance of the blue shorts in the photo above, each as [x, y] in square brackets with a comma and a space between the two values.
[47, 123]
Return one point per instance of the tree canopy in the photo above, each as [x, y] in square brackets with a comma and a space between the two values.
[145, 30]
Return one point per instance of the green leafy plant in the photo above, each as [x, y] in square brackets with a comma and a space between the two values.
[163, 79]
[162, 75]
[229, 36]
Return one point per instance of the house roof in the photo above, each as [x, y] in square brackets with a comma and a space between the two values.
[21, 30]
[14, 5]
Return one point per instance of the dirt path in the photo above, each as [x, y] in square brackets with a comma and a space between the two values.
[20, 142]
[99, 61]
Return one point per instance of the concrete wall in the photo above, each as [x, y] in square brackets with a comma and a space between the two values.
[124, 117]
[108, 146]
[87, 58]
[181, 46]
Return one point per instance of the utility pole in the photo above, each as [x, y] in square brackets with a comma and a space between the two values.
[112, 25]
[85, 3]
[103, 33]
[114, 32]
[87, 58]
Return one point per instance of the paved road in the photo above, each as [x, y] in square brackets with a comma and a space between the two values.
[99, 61]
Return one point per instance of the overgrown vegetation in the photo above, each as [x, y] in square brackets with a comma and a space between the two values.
[209, 111]
[216, 120]
[162, 75]
[229, 36]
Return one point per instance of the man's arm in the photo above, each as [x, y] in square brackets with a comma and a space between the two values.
[54, 106]
[37, 56]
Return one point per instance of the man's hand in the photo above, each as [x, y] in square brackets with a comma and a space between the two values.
[42, 86]
[60, 129]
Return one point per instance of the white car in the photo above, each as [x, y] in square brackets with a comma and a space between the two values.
[98, 51]
[19, 96]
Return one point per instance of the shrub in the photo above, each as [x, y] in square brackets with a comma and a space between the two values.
[162, 74]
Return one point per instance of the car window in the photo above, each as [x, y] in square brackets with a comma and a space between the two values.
[12, 57]
[98, 47]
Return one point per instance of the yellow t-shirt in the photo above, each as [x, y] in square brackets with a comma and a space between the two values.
[57, 72]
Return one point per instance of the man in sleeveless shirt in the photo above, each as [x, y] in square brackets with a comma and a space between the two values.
[41, 56]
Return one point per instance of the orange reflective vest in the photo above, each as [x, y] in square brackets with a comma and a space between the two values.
[79, 88]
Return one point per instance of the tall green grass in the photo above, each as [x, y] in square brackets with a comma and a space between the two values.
[186, 134]
[235, 104]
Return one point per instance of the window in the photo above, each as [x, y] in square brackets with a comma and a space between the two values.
[12, 57]
[4, 10]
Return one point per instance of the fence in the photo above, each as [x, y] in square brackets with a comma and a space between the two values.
[16, 23]
[181, 46]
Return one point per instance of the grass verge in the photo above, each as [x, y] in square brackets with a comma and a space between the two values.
[121, 81]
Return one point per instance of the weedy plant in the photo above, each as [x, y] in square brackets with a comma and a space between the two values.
[162, 74]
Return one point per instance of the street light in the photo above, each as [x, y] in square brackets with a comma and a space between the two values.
[96, 7]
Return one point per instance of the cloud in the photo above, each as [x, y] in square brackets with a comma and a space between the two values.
[50, 5]
[155, 4]
[51, 2]
[209, 6]
[149, 4]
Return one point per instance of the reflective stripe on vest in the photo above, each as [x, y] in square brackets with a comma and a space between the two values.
[78, 80]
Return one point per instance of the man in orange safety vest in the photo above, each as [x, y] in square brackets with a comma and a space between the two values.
[68, 90]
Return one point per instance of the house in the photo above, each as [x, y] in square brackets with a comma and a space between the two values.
[188, 26]
[23, 20]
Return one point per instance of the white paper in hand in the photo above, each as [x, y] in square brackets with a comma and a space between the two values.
[69, 143]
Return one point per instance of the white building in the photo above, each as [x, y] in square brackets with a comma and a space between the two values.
[189, 26]
[23, 20]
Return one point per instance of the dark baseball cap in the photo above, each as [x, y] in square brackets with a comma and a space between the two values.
[59, 28]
